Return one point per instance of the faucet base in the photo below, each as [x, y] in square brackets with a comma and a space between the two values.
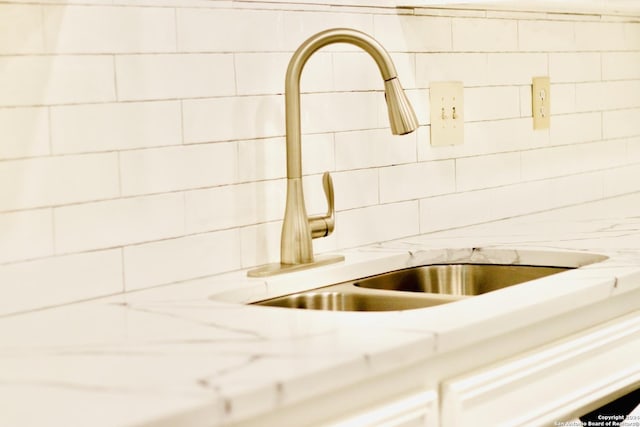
[278, 268]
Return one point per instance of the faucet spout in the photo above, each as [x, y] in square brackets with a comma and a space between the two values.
[401, 115]
[298, 229]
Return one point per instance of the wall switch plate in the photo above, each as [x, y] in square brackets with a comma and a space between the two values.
[541, 100]
[447, 113]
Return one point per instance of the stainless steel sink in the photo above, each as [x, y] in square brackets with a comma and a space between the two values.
[457, 279]
[415, 287]
[347, 297]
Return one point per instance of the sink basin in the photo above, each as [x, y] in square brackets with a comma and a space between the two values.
[347, 297]
[415, 287]
[457, 279]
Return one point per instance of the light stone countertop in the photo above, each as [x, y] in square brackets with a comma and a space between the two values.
[193, 354]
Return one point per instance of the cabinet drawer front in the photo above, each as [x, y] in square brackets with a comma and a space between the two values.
[416, 410]
[555, 383]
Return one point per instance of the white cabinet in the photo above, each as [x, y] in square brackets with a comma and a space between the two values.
[415, 410]
[554, 383]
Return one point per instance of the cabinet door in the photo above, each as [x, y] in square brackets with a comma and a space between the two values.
[416, 410]
[549, 385]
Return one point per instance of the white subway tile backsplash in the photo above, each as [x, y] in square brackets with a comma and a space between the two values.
[574, 67]
[486, 137]
[91, 29]
[169, 76]
[620, 65]
[50, 181]
[470, 68]
[376, 224]
[407, 33]
[604, 96]
[515, 68]
[632, 35]
[575, 128]
[526, 106]
[264, 73]
[21, 29]
[633, 149]
[356, 71]
[221, 30]
[456, 210]
[234, 205]
[546, 36]
[373, 148]
[225, 119]
[474, 173]
[416, 180]
[340, 111]
[549, 162]
[352, 189]
[572, 159]
[25, 132]
[599, 36]
[115, 126]
[160, 170]
[317, 153]
[58, 280]
[563, 99]
[25, 235]
[260, 243]
[300, 25]
[621, 180]
[621, 123]
[47, 80]
[491, 103]
[156, 263]
[574, 189]
[484, 35]
[118, 222]
[145, 140]
[261, 159]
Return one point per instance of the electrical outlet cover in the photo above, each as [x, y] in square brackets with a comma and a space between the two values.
[541, 102]
[447, 113]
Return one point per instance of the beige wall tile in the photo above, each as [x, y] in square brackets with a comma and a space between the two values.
[115, 126]
[21, 29]
[201, 255]
[25, 132]
[169, 76]
[47, 80]
[118, 222]
[90, 29]
[26, 235]
[51, 181]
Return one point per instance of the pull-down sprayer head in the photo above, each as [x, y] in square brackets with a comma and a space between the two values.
[402, 118]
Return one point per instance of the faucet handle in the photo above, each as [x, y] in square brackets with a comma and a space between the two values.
[322, 225]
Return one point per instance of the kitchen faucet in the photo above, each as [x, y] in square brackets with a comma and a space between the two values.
[298, 230]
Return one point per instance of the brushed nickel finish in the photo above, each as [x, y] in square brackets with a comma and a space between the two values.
[346, 297]
[298, 229]
[279, 268]
[412, 288]
[457, 279]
